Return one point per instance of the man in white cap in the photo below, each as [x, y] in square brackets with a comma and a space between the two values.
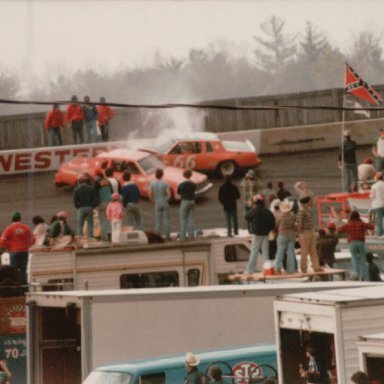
[348, 163]
[378, 151]
[193, 375]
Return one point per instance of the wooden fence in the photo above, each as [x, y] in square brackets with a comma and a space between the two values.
[27, 130]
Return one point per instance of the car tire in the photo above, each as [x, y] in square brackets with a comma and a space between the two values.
[227, 168]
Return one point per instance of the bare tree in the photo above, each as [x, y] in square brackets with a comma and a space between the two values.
[313, 44]
[277, 49]
[367, 55]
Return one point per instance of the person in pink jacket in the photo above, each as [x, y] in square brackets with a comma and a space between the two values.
[114, 214]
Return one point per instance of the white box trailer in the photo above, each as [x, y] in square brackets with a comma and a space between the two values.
[329, 320]
[371, 356]
[73, 332]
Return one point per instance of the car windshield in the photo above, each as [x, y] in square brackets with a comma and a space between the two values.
[150, 163]
[103, 377]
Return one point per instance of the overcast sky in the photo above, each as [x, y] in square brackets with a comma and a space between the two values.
[55, 35]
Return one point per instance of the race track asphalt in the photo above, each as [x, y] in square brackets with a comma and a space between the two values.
[36, 194]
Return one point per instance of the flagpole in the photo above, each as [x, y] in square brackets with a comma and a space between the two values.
[342, 133]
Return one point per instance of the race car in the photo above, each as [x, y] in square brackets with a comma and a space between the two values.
[205, 152]
[141, 165]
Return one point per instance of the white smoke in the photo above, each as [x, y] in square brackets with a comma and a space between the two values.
[164, 124]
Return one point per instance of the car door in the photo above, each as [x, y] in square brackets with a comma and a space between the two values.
[184, 154]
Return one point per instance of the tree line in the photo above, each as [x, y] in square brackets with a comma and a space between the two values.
[281, 63]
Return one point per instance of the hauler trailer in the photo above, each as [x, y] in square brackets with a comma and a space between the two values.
[71, 333]
[371, 356]
[330, 321]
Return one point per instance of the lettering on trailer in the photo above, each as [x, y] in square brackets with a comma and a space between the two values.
[243, 370]
[48, 158]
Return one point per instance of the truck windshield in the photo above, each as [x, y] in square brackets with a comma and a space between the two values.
[102, 377]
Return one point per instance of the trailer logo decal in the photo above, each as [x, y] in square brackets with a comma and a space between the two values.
[17, 319]
[243, 370]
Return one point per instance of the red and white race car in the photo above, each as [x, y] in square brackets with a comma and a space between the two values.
[205, 152]
[141, 165]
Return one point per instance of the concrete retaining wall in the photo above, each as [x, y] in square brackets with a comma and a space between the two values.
[307, 137]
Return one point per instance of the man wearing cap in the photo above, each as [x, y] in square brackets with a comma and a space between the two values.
[90, 117]
[250, 187]
[307, 236]
[74, 117]
[378, 151]
[84, 199]
[17, 238]
[347, 161]
[286, 226]
[105, 115]
[59, 231]
[193, 375]
[377, 202]
[260, 222]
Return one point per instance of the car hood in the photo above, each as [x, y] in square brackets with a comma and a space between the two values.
[175, 175]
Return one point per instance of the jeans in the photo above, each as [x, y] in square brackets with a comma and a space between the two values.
[187, 219]
[359, 264]
[77, 132]
[19, 260]
[380, 164]
[162, 217]
[116, 227]
[55, 133]
[91, 131]
[307, 239]
[258, 242]
[105, 226]
[104, 129]
[350, 174]
[286, 244]
[133, 216]
[82, 214]
[231, 218]
[379, 220]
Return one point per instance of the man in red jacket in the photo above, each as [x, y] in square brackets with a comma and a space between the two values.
[75, 118]
[17, 238]
[53, 123]
[105, 115]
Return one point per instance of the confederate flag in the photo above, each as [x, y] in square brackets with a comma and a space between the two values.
[359, 88]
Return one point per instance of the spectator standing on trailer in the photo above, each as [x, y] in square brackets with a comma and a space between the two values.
[160, 194]
[228, 195]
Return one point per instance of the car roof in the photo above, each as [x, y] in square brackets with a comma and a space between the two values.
[124, 153]
[196, 136]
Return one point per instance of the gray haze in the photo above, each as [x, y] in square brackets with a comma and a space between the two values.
[189, 51]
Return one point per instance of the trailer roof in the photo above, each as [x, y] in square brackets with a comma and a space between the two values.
[338, 296]
[61, 298]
